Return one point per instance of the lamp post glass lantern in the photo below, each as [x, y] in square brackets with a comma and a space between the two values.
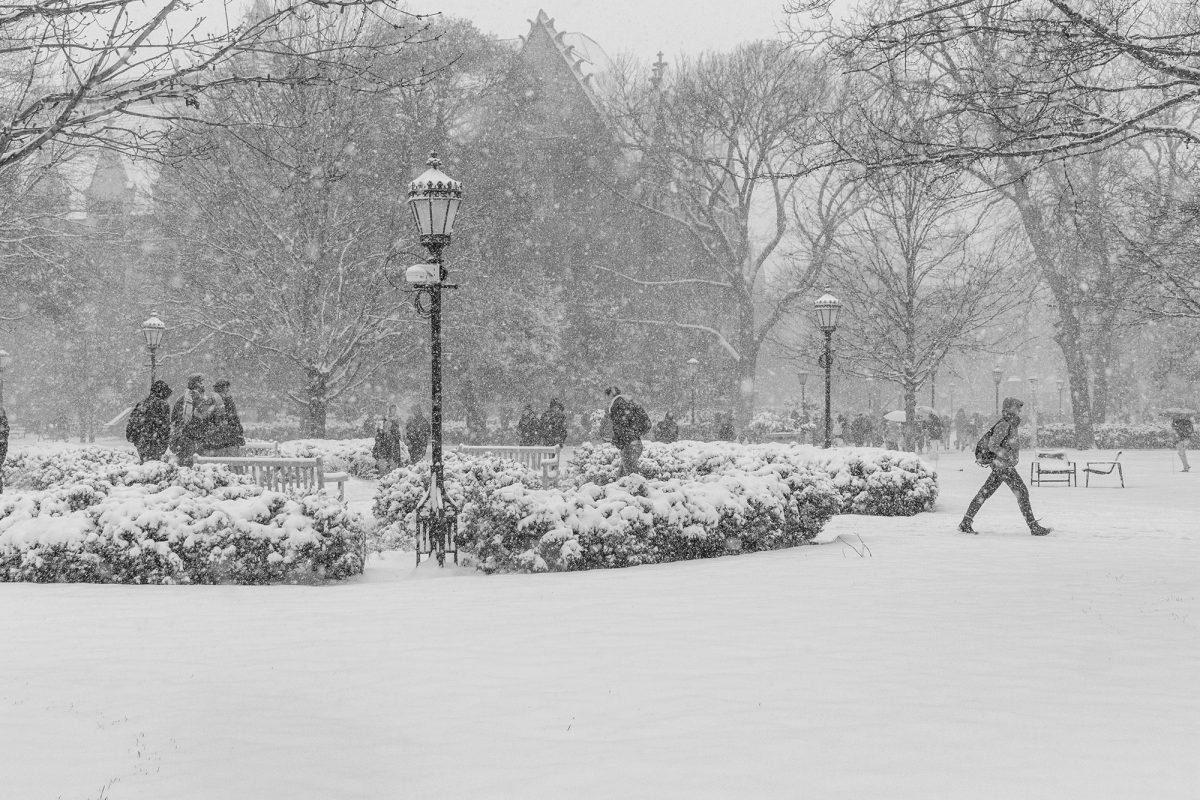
[828, 307]
[152, 332]
[433, 200]
[803, 376]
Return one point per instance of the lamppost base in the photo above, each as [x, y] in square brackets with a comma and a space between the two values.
[437, 532]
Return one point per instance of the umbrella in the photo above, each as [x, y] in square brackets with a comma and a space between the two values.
[899, 416]
[1178, 412]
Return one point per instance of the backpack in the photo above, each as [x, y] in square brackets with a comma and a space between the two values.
[133, 428]
[639, 420]
[984, 456]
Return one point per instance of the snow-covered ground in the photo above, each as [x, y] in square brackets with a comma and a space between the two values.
[899, 660]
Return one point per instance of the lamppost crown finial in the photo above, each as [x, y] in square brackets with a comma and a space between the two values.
[434, 162]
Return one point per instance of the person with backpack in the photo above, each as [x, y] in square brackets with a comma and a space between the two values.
[1000, 450]
[225, 434]
[630, 423]
[416, 435]
[552, 426]
[191, 418]
[149, 425]
[1184, 431]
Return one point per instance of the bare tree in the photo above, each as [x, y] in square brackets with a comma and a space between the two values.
[925, 271]
[723, 151]
[110, 72]
[1067, 76]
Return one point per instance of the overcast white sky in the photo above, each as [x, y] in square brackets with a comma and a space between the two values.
[642, 27]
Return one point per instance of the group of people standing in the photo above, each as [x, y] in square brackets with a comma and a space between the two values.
[392, 439]
[548, 428]
[199, 423]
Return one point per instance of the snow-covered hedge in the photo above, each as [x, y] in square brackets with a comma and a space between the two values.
[868, 480]
[400, 492]
[337, 455]
[159, 523]
[1111, 436]
[34, 469]
[639, 521]
[289, 427]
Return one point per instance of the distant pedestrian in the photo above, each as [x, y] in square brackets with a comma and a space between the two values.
[961, 435]
[416, 434]
[1001, 451]
[225, 434]
[629, 424]
[388, 441]
[860, 430]
[667, 430]
[725, 430]
[149, 426]
[527, 427]
[552, 426]
[1184, 431]
[933, 426]
[190, 420]
[4, 431]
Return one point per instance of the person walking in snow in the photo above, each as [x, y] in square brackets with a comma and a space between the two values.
[1184, 431]
[388, 441]
[149, 425]
[1001, 452]
[527, 427]
[190, 420]
[552, 426]
[225, 435]
[629, 424]
[416, 435]
[667, 430]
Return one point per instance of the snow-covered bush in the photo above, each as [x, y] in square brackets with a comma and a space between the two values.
[33, 469]
[640, 521]
[1111, 435]
[868, 480]
[765, 422]
[337, 455]
[399, 493]
[160, 523]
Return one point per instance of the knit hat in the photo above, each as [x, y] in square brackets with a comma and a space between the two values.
[195, 381]
[160, 389]
[1013, 404]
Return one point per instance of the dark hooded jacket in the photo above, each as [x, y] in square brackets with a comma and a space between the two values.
[149, 426]
[1005, 439]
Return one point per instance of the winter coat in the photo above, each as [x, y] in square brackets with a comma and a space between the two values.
[620, 411]
[1183, 427]
[189, 435]
[149, 427]
[553, 425]
[416, 436]
[388, 442]
[1005, 440]
[528, 428]
[225, 426]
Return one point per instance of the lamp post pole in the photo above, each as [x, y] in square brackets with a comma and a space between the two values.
[434, 198]
[803, 376]
[693, 369]
[997, 376]
[152, 332]
[1033, 399]
[828, 307]
[5, 360]
[1061, 383]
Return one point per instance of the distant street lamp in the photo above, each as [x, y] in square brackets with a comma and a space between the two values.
[1033, 401]
[997, 376]
[870, 393]
[828, 307]
[5, 360]
[1061, 384]
[692, 368]
[434, 198]
[803, 376]
[152, 332]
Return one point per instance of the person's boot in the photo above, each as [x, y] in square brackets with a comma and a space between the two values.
[1038, 529]
[965, 527]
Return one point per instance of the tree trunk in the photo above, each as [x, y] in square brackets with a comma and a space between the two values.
[1069, 340]
[317, 407]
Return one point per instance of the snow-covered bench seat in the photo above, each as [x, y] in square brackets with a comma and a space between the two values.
[539, 458]
[281, 474]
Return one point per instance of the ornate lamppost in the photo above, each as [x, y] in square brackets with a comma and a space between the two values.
[997, 376]
[434, 198]
[1061, 383]
[5, 360]
[152, 332]
[803, 376]
[692, 367]
[828, 307]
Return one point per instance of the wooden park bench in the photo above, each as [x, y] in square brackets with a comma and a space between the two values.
[539, 458]
[281, 474]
